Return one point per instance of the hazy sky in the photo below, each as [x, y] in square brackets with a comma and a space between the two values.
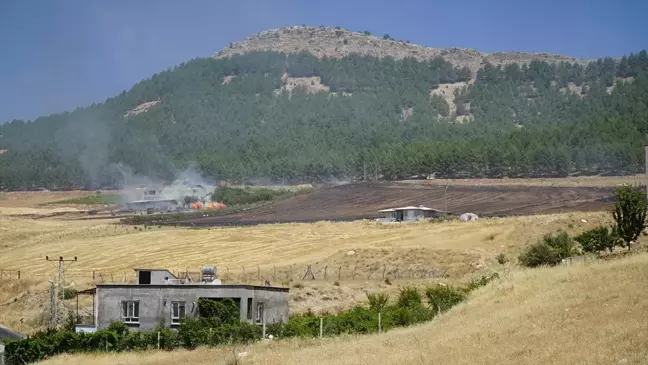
[56, 55]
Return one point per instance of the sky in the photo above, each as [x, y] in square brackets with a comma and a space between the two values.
[59, 55]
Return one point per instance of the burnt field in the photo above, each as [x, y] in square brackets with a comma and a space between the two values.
[363, 200]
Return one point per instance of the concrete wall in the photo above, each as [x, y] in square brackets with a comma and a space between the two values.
[152, 307]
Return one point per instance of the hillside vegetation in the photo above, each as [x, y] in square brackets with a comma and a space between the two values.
[580, 314]
[295, 117]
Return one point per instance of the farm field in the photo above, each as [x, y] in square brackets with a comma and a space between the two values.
[363, 200]
[581, 314]
[572, 181]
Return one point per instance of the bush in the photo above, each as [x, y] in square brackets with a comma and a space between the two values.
[562, 244]
[599, 239]
[409, 297]
[442, 297]
[377, 302]
[539, 254]
[550, 251]
[501, 259]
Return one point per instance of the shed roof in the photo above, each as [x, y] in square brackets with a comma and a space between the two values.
[411, 207]
[153, 201]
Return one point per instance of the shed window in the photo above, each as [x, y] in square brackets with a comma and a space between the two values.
[249, 309]
[144, 277]
[177, 312]
[130, 311]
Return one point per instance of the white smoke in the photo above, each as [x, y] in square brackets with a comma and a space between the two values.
[188, 182]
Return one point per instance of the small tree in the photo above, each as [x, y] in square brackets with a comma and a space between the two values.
[629, 213]
[386, 36]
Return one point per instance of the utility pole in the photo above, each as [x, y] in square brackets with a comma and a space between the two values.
[646, 162]
[60, 308]
[445, 198]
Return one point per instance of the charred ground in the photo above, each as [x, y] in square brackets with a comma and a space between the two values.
[363, 200]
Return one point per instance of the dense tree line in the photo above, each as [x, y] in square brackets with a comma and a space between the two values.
[539, 119]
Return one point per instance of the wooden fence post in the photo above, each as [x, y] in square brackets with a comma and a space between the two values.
[384, 269]
[325, 268]
[321, 326]
[379, 323]
[18, 274]
[339, 272]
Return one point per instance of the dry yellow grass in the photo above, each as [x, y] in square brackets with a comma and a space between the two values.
[591, 181]
[103, 245]
[581, 314]
[112, 251]
[34, 198]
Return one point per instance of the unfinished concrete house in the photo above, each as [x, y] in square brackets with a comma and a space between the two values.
[410, 213]
[158, 296]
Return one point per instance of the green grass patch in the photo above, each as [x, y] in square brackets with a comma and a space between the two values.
[248, 195]
[94, 199]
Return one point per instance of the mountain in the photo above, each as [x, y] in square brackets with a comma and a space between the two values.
[310, 104]
[338, 43]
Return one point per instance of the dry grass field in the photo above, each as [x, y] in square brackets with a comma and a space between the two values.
[280, 253]
[590, 313]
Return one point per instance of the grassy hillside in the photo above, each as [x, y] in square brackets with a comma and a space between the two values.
[296, 117]
[581, 314]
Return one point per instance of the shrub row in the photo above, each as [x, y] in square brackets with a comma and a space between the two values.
[219, 325]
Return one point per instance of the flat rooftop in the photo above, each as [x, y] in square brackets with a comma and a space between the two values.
[196, 286]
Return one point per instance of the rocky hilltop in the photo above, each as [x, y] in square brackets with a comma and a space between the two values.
[337, 42]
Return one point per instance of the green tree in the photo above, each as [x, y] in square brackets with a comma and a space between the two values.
[629, 213]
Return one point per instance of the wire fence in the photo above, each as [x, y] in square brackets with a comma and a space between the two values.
[255, 274]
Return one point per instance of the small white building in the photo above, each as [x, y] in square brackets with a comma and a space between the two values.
[411, 213]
